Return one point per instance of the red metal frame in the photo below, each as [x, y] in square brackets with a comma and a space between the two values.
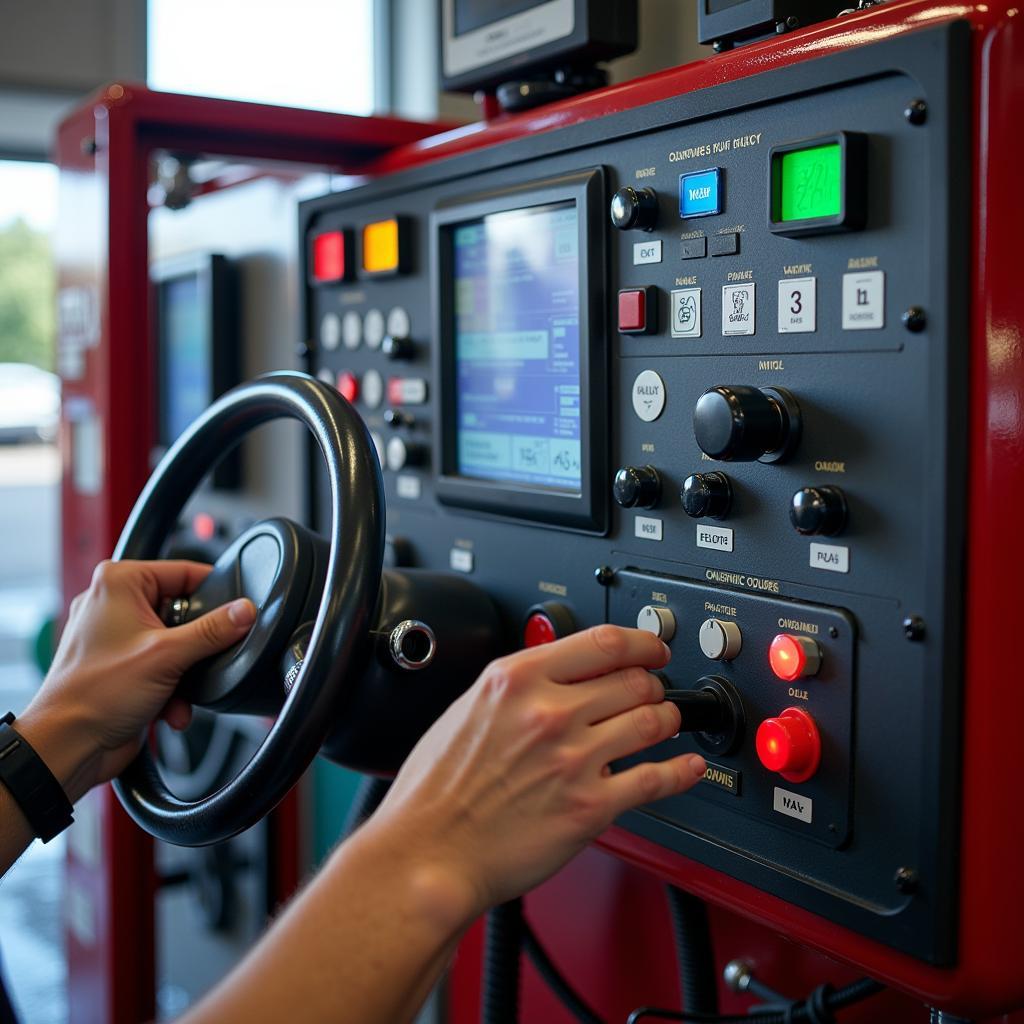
[989, 976]
[104, 150]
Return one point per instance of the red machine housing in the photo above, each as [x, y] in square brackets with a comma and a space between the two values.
[603, 919]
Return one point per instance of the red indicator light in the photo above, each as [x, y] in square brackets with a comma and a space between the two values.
[539, 630]
[204, 526]
[793, 657]
[348, 385]
[329, 256]
[790, 745]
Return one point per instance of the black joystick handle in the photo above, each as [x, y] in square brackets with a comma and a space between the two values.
[740, 423]
[701, 710]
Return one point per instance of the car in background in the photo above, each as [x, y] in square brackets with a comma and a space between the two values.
[29, 404]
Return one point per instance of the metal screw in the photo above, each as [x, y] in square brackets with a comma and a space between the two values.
[833, 632]
[906, 880]
[913, 628]
[914, 319]
[737, 975]
[916, 112]
[89, 146]
[604, 575]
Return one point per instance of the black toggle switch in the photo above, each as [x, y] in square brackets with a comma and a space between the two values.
[739, 423]
[701, 710]
[818, 510]
[398, 348]
[712, 711]
[634, 208]
[637, 487]
[706, 494]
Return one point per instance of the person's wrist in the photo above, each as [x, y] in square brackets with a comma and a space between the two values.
[62, 737]
[439, 890]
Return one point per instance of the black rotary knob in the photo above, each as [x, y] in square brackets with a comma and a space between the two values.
[398, 348]
[634, 208]
[706, 494]
[818, 510]
[739, 423]
[637, 487]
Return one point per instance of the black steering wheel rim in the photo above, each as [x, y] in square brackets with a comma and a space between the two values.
[314, 702]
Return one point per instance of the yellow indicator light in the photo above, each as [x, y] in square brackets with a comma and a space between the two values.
[380, 247]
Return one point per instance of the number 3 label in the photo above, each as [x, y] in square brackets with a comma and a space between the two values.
[797, 302]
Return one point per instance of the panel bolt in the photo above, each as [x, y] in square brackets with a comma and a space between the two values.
[914, 319]
[906, 880]
[89, 146]
[604, 575]
[916, 112]
[913, 628]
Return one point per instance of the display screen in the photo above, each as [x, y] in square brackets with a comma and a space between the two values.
[517, 347]
[809, 183]
[185, 354]
[474, 14]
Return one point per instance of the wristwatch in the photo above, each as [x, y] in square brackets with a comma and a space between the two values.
[31, 784]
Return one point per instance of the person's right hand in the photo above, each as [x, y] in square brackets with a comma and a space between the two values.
[514, 780]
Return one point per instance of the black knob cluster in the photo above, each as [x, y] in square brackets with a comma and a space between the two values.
[634, 208]
[739, 423]
[637, 487]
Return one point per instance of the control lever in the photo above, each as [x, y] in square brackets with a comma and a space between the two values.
[701, 710]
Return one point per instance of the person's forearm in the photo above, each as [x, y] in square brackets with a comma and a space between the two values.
[366, 942]
[57, 739]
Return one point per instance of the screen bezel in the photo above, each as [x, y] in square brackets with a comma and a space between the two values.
[586, 510]
[218, 297]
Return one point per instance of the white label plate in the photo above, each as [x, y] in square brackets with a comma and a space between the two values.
[796, 805]
[864, 301]
[648, 395]
[460, 560]
[715, 538]
[647, 528]
[830, 557]
[738, 308]
[647, 252]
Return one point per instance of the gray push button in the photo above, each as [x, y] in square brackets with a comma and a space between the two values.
[657, 620]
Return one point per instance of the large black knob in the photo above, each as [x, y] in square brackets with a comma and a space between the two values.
[818, 510]
[637, 487]
[738, 423]
[634, 208]
[706, 494]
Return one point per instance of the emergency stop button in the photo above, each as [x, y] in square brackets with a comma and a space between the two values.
[790, 745]
[546, 623]
[638, 310]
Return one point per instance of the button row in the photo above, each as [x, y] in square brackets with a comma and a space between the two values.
[863, 307]
[352, 329]
[371, 388]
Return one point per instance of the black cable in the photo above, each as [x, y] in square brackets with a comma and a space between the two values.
[817, 1008]
[501, 964]
[698, 982]
[555, 980]
[368, 798]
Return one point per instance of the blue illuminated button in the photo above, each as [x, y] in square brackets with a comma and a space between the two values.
[700, 193]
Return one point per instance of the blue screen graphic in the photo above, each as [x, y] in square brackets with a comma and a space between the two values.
[185, 341]
[517, 347]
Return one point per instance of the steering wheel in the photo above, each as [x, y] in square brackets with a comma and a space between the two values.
[299, 587]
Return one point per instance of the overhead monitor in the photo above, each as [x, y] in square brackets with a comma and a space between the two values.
[487, 42]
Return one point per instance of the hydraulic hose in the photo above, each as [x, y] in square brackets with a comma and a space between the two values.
[697, 980]
[501, 964]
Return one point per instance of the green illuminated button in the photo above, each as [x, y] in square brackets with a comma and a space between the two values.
[811, 183]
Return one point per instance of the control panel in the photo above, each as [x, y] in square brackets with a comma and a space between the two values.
[699, 367]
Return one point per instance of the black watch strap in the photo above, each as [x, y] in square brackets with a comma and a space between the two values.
[31, 784]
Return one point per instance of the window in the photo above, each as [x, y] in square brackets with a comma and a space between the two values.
[306, 53]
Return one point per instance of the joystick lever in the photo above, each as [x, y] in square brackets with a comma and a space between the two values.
[701, 710]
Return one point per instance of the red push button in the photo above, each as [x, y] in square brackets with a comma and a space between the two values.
[633, 311]
[790, 745]
[204, 526]
[539, 630]
[794, 657]
[348, 385]
[330, 256]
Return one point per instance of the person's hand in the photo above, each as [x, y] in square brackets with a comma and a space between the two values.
[514, 779]
[116, 668]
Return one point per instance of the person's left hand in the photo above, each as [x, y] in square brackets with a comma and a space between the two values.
[117, 666]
